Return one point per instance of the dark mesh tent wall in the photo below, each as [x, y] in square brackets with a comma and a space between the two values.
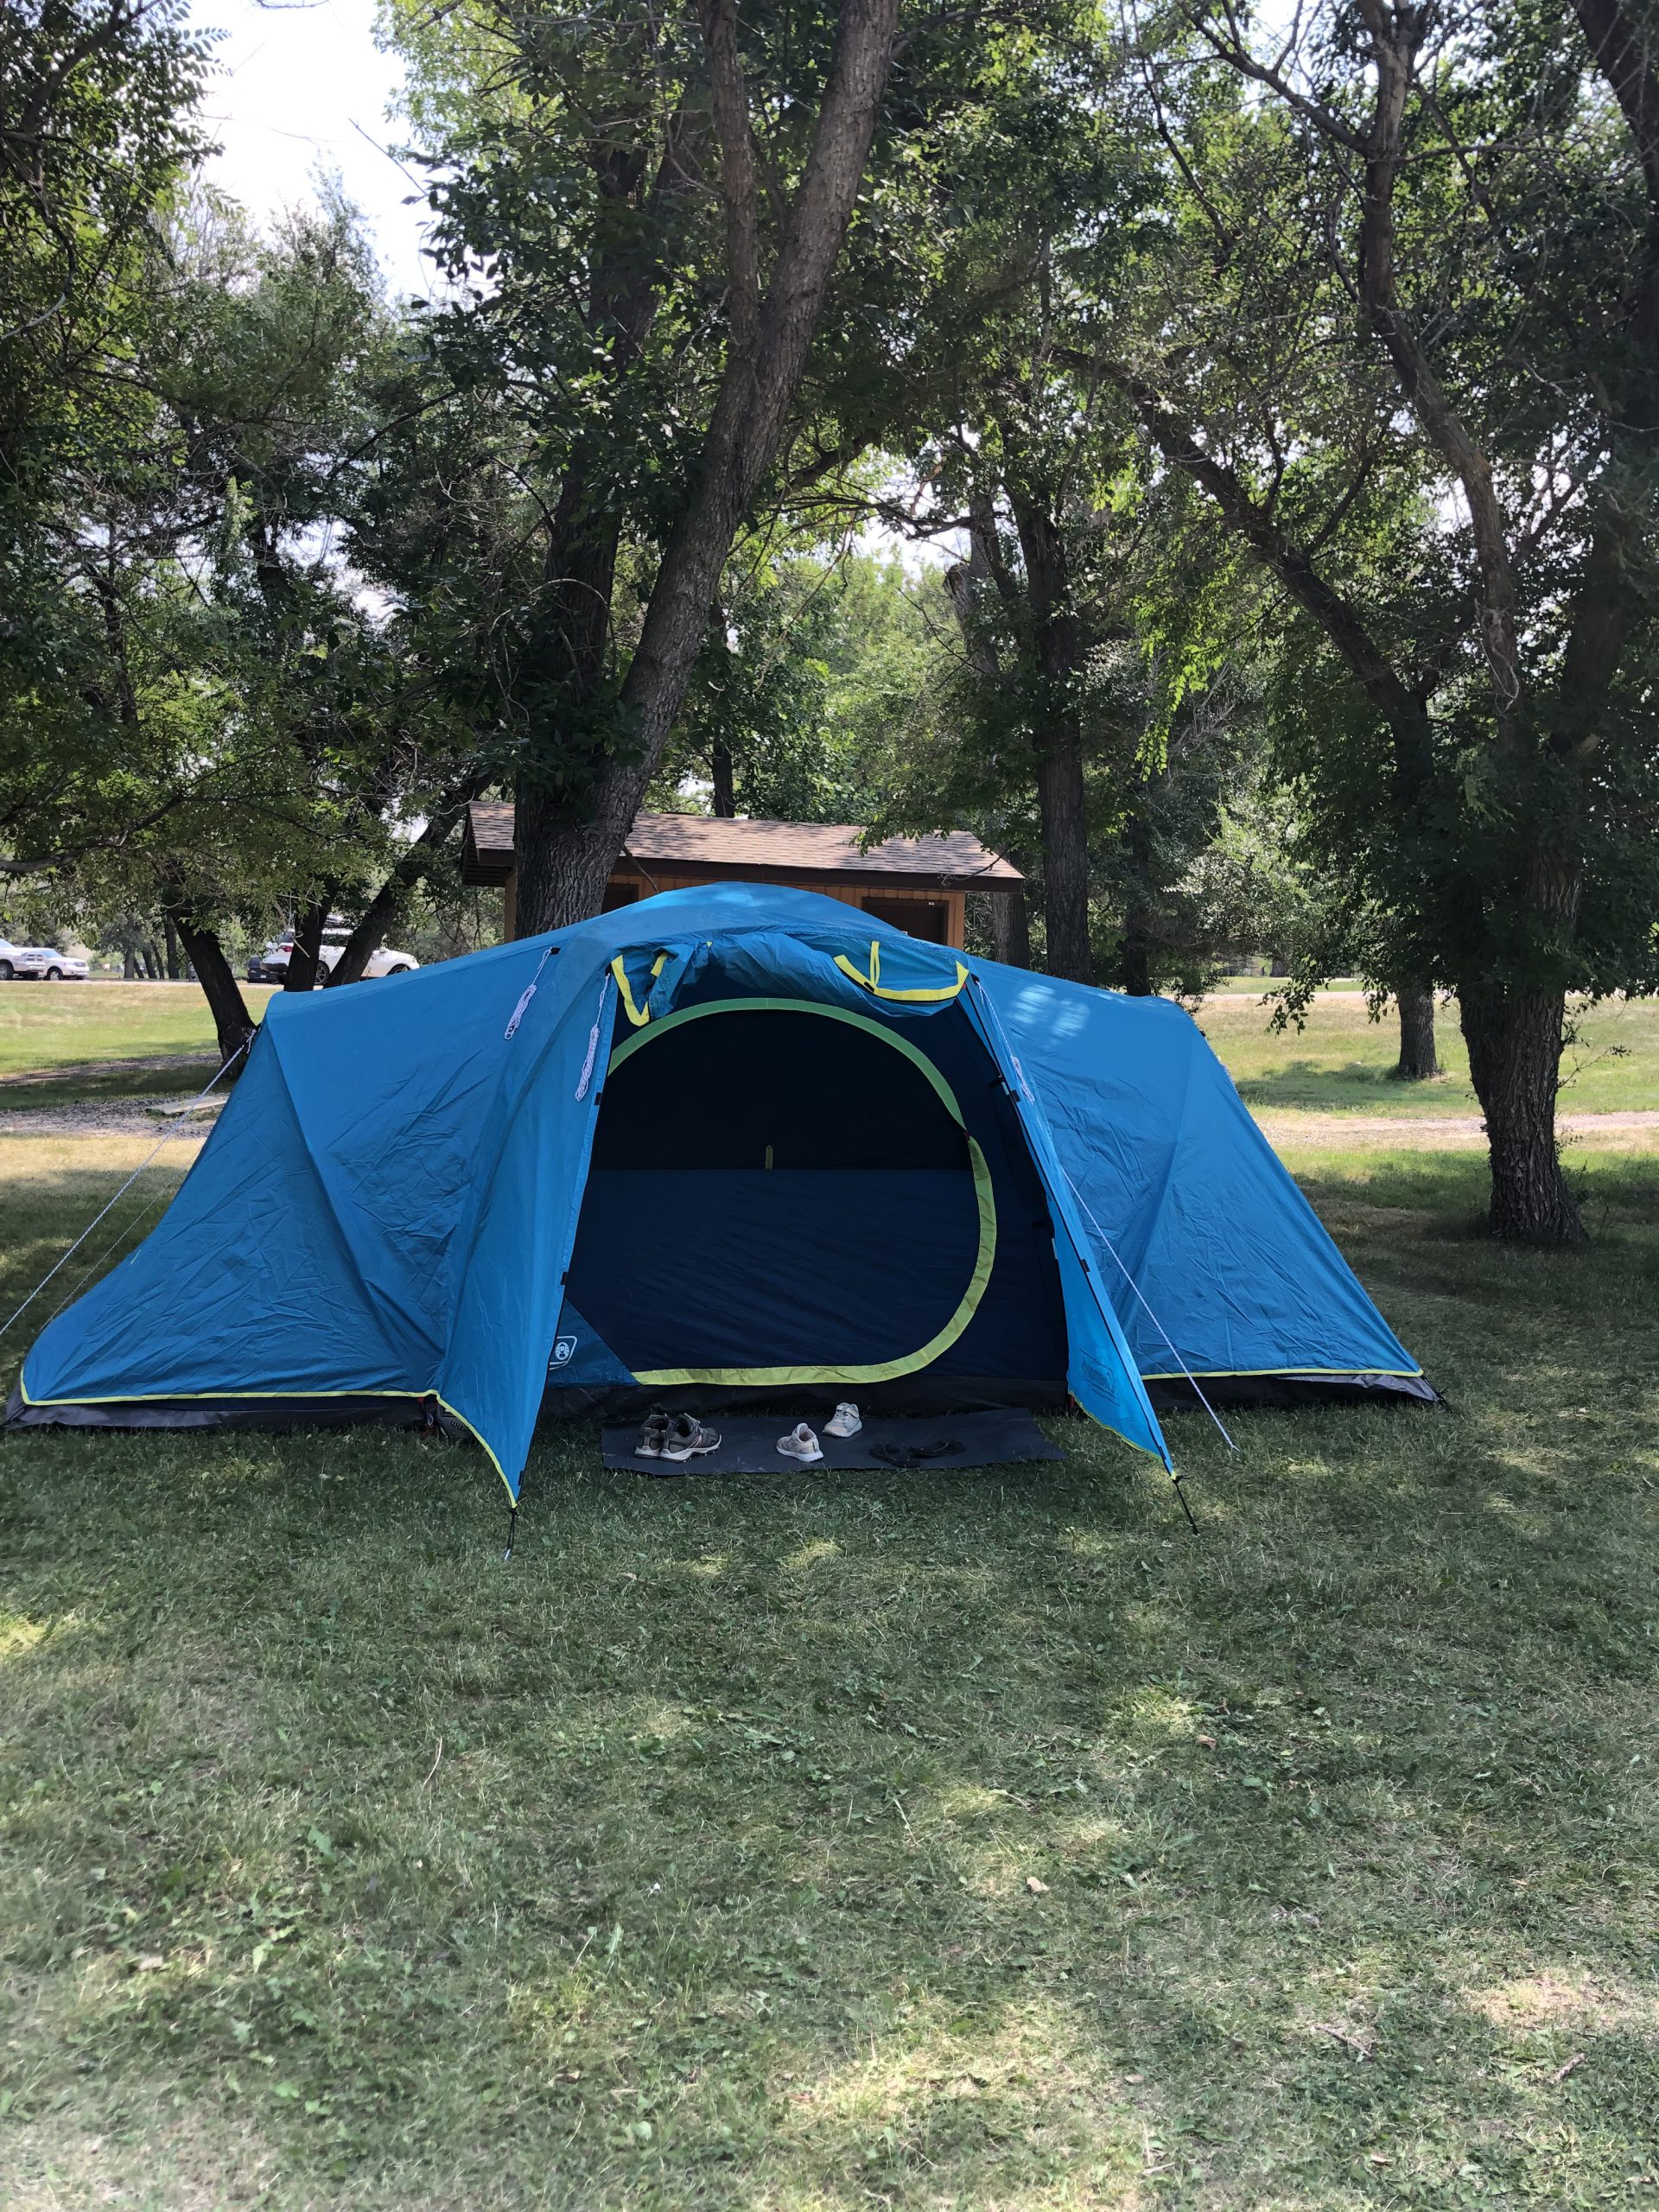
[777, 1186]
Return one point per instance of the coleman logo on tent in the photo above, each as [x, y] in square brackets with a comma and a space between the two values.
[562, 1348]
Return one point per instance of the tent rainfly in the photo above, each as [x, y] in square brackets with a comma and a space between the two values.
[722, 1144]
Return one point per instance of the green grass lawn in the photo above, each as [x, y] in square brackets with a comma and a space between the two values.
[1342, 1060]
[75, 1035]
[1339, 1062]
[978, 1840]
[1257, 984]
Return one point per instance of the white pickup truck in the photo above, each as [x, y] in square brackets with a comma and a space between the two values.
[40, 960]
[270, 966]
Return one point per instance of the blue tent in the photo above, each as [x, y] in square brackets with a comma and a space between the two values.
[727, 1144]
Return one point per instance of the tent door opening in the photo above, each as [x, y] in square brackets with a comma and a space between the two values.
[780, 1193]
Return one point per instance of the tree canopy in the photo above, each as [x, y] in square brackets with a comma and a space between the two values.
[1212, 457]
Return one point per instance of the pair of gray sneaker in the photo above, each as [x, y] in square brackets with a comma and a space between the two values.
[675, 1436]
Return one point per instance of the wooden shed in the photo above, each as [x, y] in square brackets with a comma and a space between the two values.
[920, 884]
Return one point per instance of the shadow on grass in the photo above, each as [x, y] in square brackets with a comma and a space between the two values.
[821, 1842]
[1360, 1085]
[21, 1095]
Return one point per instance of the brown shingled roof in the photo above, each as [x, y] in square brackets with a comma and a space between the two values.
[765, 851]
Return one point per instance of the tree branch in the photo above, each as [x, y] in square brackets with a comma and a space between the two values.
[1393, 700]
[739, 188]
[1625, 57]
[1396, 34]
[1234, 51]
[1624, 54]
[409, 867]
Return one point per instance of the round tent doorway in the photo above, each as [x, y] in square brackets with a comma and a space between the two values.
[780, 1193]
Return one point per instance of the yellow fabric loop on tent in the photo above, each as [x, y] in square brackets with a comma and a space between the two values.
[638, 1015]
[872, 983]
[885, 1370]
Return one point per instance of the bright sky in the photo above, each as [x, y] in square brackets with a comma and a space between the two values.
[304, 90]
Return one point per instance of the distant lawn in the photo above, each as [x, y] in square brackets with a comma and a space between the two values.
[45, 1026]
[804, 1845]
[1260, 983]
[1342, 1059]
[1339, 1062]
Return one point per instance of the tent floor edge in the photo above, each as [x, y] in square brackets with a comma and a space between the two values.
[271, 1415]
[1172, 1393]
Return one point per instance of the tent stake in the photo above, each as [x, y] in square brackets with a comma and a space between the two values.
[512, 1524]
[1185, 1508]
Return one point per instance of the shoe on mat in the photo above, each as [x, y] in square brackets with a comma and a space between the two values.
[653, 1434]
[846, 1421]
[800, 1444]
[688, 1439]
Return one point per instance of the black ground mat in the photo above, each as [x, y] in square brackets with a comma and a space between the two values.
[749, 1446]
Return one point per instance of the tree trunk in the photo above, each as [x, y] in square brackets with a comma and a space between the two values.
[233, 1023]
[567, 669]
[378, 918]
[1011, 928]
[565, 855]
[1056, 647]
[1514, 1060]
[303, 963]
[563, 866]
[720, 768]
[174, 965]
[1135, 958]
[965, 581]
[1417, 1061]
[564, 671]
[1066, 856]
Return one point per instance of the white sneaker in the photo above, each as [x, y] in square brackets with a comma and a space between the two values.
[846, 1422]
[800, 1444]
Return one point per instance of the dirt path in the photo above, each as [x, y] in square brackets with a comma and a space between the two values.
[111, 1117]
[1284, 1128]
[1422, 1132]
